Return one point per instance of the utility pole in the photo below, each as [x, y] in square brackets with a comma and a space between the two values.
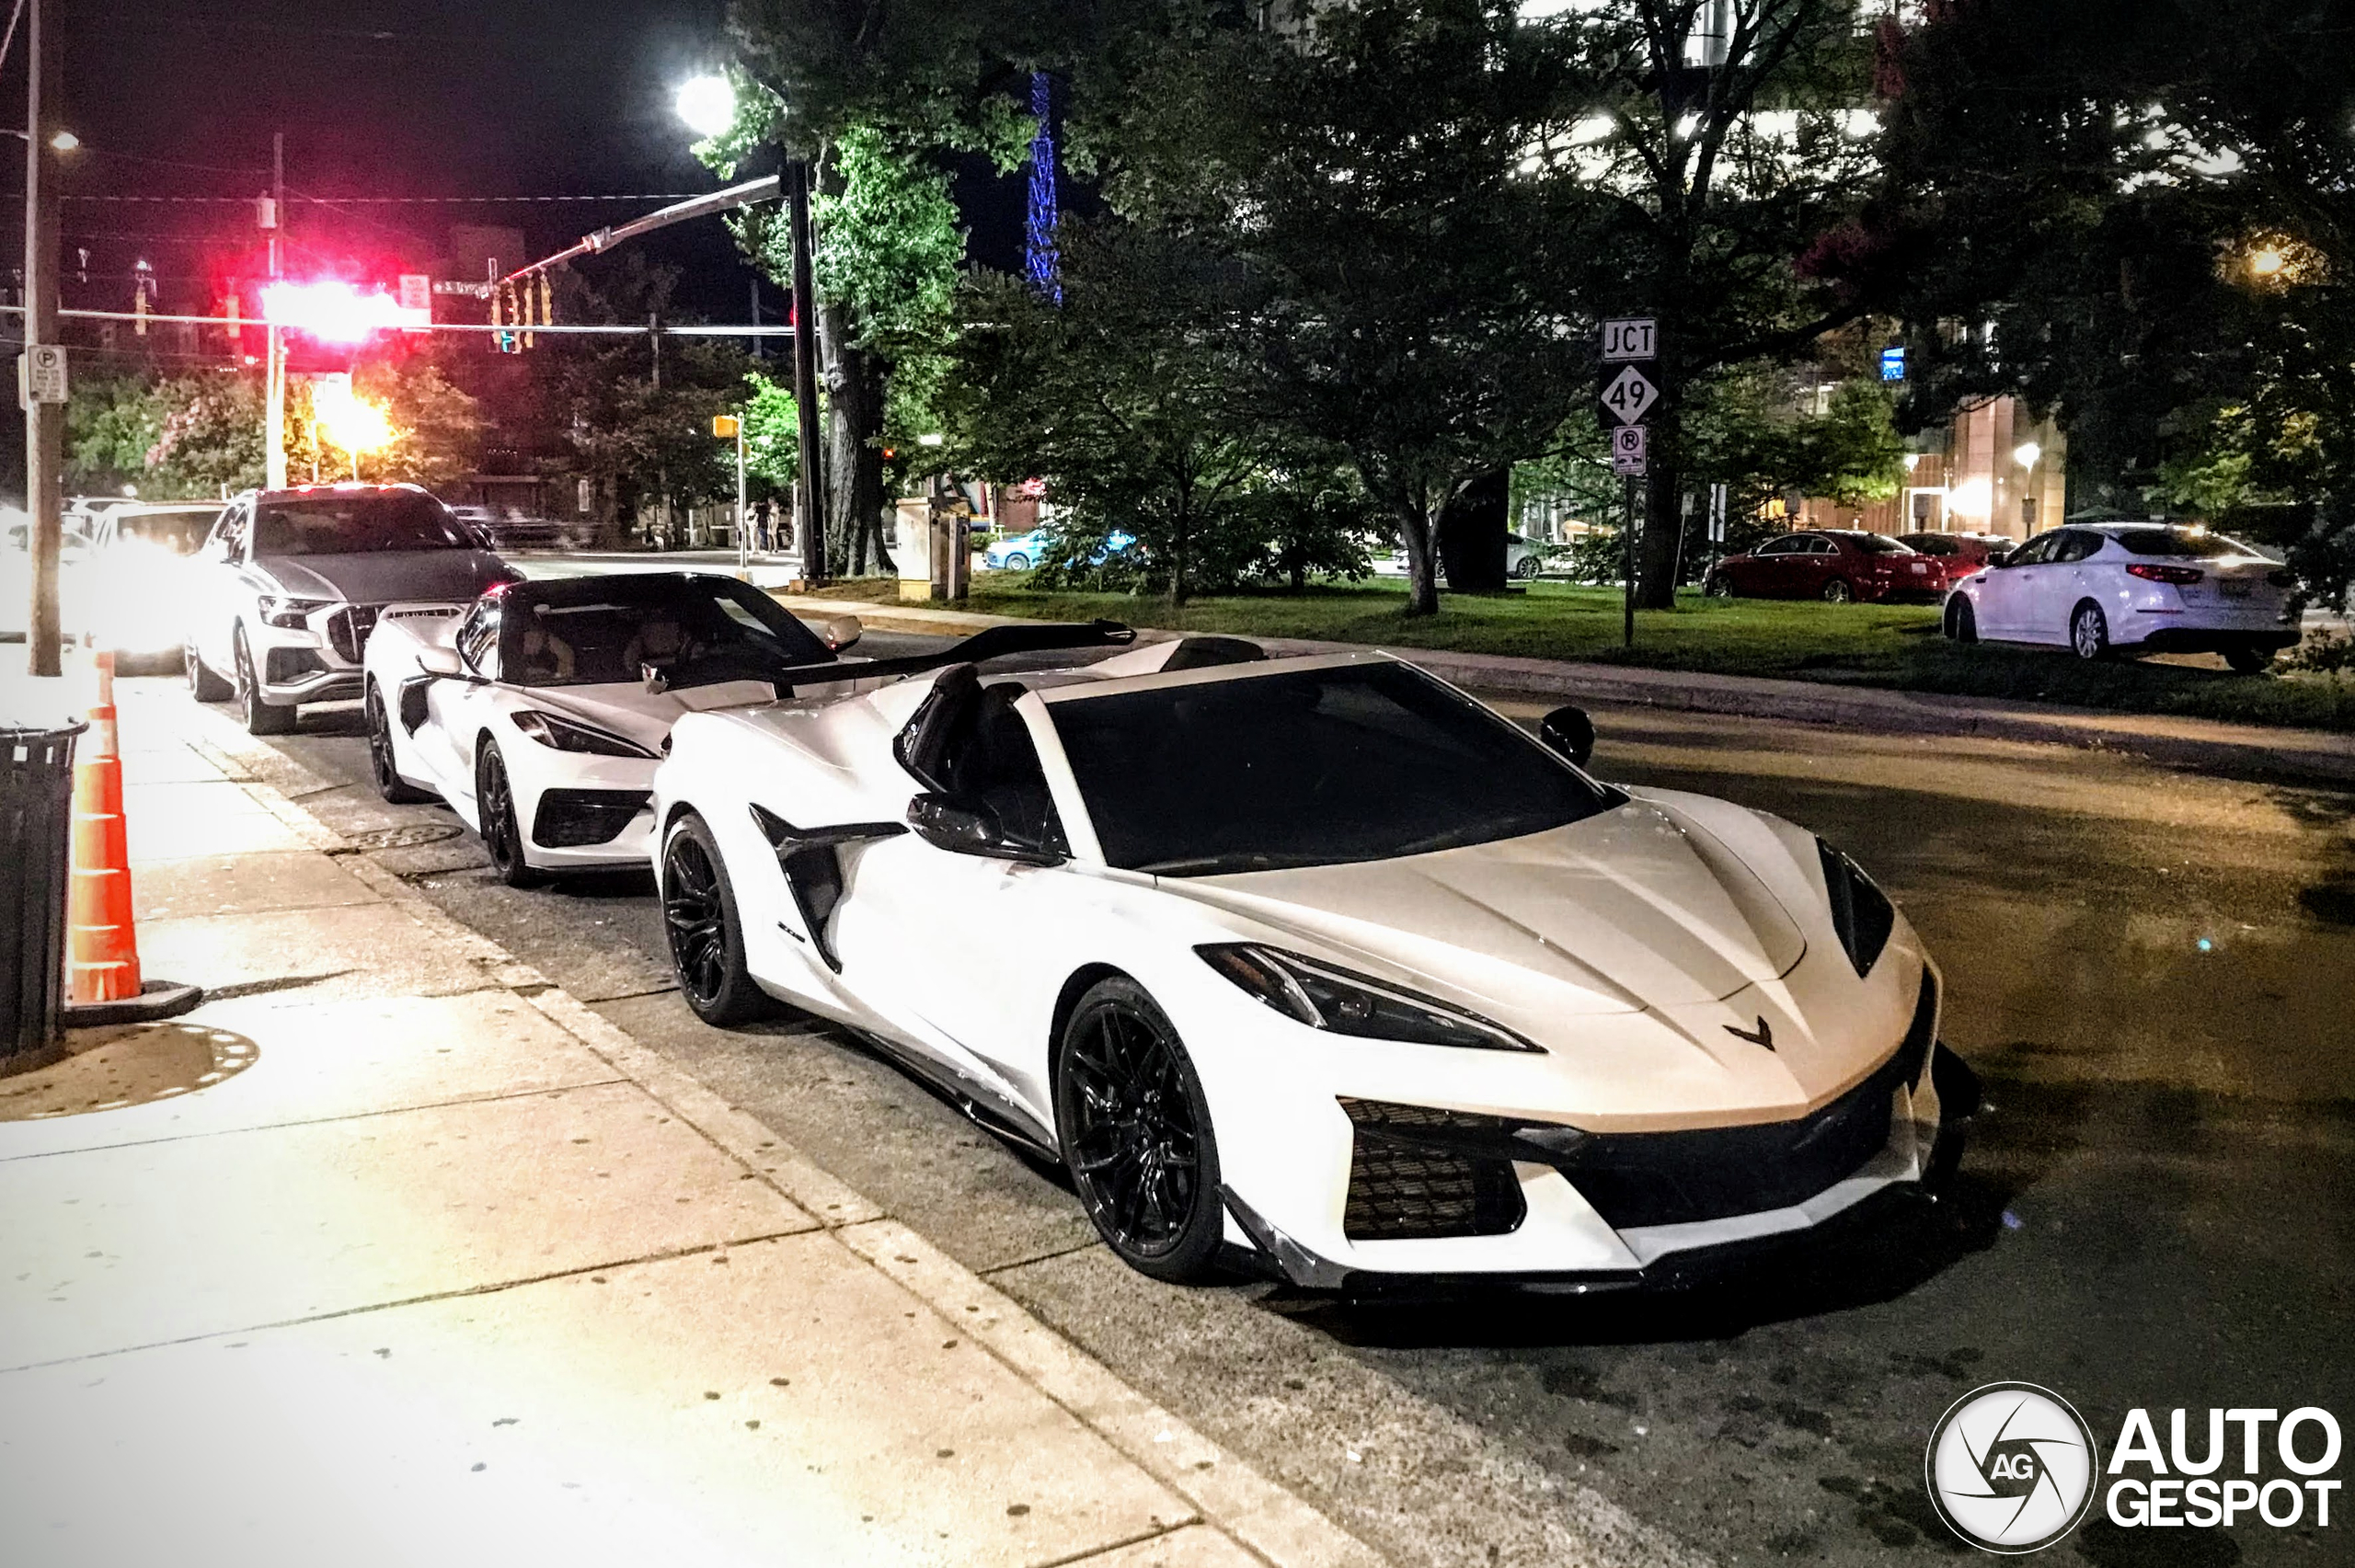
[44, 416]
[810, 492]
[273, 446]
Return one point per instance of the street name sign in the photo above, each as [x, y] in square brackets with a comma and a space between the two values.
[1630, 397]
[1630, 452]
[1631, 338]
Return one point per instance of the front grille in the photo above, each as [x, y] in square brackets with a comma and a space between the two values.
[1401, 1187]
[569, 819]
[1676, 1178]
[348, 631]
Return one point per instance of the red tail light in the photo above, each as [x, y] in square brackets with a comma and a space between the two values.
[2179, 576]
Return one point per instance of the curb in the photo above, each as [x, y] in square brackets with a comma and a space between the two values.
[2252, 752]
[1228, 1493]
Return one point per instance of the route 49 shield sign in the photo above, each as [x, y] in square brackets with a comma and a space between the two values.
[1629, 397]
[1630, 452]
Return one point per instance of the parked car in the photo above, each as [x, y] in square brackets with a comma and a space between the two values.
[538, 711]
[287, 586]
[1957, 555]
[1838, 565]
[1021, 552]
[1525, 558]
[502, 529]
[2137, 586]
[121, 574]
[1325, 971]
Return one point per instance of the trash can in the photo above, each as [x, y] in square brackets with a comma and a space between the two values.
[35, 827]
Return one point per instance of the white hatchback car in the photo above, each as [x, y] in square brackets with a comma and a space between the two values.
[2134, 587]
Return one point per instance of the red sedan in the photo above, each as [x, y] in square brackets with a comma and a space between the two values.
[1959, 554]
[1837, 565]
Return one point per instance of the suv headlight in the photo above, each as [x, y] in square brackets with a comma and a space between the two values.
[1324, 997]
[563, 735]
[293, 614]
[1861, 912]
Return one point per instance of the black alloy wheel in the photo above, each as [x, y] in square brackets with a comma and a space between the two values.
[1718, 586]
[202, 685]
[1526, 568]
[706, 936]
[2089, 632]
[1962, 621]
[261, 717]
[1837, 591]
[381, 767]
[495, 808]
[1136, 1134]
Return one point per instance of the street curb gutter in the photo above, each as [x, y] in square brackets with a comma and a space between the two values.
[2245, 750]
[1229, 1494]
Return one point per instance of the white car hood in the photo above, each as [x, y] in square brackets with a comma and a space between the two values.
[1632, 908]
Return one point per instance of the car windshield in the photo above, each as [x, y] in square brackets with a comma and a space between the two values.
[1308, 767]
[1878, 545]
[180, 532]
[2181, 542]
[1931, 544]
[357, 525]
[697, 632]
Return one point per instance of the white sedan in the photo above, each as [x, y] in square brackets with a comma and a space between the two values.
[539, 711]
[1316, 967]
[2133, 587]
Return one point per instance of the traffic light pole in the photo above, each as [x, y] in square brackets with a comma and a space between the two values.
[44, 421]
[273, 446]
[811, 488]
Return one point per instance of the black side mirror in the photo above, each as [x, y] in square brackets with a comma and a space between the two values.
[968, 826]
[1570, 732]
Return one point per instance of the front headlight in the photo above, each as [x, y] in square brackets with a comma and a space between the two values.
[563, 735]
[1861, 912]
[1324, 997]
[293, 614]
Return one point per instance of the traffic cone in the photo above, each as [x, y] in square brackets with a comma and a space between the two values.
[102, 948]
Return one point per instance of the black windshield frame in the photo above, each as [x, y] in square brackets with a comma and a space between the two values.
[1329, 765]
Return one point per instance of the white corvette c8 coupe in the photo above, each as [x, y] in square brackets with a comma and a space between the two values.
[1316, 966]
[538, 712]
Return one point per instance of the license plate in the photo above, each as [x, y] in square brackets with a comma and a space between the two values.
[2233, 588]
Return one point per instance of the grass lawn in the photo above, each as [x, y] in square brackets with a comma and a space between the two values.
[1893, 646]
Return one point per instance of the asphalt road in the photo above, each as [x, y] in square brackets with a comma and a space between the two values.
[2154, 971]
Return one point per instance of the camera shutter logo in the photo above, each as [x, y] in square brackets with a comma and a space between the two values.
[2012, 1467]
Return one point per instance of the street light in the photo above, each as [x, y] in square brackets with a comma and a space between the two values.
[2026, 453]
[707, 105]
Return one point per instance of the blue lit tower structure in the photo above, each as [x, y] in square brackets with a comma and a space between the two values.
[1040, 259]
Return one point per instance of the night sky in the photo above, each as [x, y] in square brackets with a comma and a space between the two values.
[382, 98]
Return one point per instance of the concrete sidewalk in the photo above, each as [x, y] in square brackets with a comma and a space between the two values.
[394, 1254]
[2242, 749]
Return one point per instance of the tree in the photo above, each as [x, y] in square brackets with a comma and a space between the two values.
[178, 438]
[1364, 175]
[1126, 398]
[437, 428]
[2148, 237]
[1717, 148]
[636, 413]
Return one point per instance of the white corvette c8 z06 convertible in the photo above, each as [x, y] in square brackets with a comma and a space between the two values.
[1316, 966]
[538, 712]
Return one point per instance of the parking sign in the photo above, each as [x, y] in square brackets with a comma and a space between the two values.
[1630, 452]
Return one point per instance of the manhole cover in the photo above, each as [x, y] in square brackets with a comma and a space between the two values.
[408, 836]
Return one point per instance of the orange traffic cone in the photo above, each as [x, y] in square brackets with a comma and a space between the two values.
[102, 949]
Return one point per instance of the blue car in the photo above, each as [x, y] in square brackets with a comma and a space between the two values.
[1023, 551]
